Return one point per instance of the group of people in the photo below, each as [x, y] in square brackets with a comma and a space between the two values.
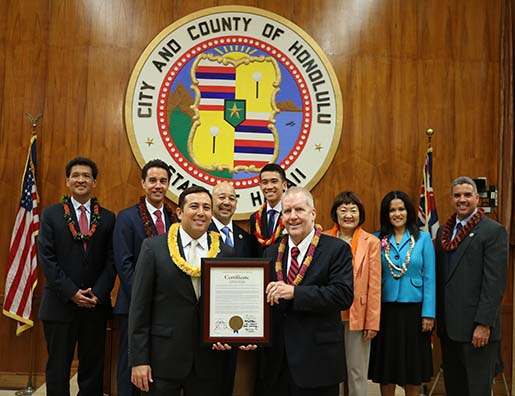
[346, 305]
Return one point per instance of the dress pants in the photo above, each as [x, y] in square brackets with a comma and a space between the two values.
[285, 386]
[192, 385]
[357, 354]
[87, 331]
[125, 387]
[468, 371]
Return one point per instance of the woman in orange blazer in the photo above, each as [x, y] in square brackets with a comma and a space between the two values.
[361, 322]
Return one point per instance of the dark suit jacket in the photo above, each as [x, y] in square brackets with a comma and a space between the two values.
[243, 243]
[129, 233]
[68, 268]
[308, 328]
[164, 317]
[471, 282]
[264, 230]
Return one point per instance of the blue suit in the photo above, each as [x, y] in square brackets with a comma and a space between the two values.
[128, 235]
[418, 283]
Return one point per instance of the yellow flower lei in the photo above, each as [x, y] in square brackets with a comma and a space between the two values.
[173, 248]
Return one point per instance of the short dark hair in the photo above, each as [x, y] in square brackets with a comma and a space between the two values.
[347, 197]
[463, 180]
[273, 168]
[155, 163]
[192, 190]
[82, 161]
[411, 220]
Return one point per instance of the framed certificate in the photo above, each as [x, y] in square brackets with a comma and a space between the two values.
[235, 310]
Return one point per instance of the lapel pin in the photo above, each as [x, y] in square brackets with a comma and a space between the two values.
[240, 236]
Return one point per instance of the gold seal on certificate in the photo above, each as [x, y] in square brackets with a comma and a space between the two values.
[236, 323]
[234, 301]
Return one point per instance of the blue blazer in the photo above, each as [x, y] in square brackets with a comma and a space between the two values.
[128, 235]
[418, 283]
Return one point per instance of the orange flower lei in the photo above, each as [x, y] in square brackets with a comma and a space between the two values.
[95, 219]
[259, 235]
[307, 260]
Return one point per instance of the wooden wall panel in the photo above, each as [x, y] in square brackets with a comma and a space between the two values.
[403, 66]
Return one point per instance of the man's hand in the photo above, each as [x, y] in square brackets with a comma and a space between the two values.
[369, 334]
[481, 336]
[427, 324]
[141, 376]
[85, 298]
[226, 347]
[278, 290]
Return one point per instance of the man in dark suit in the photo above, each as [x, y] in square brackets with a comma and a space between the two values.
[151, 216]
[313, 283]
[236, 239]
[165, 350]
[471, 269]
[265, 224]
[75, 253]
[233, 236]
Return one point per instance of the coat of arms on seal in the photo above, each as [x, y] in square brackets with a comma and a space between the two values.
[224, 91]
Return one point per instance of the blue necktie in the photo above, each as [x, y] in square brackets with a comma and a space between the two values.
[227, 233]
[271, 217]
[457, 229]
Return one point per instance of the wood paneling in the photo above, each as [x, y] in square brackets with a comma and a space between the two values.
[403, 66]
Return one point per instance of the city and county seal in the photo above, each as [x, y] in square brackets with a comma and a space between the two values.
[223, 91]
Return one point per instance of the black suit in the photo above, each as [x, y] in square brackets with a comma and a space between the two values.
[470, 284]
[164, 323]
[68, 268]
[243, 242]
[307, 333]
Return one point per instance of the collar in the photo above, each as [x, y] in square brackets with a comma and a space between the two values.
[304, 244]
[221, 225]
[151, 208]
[465, 220]
[405, 238]
[76, 205]
[278, 208]
[186, 239]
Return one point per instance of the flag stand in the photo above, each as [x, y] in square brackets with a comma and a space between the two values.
[29, 389]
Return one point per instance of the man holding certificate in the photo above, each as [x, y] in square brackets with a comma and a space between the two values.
[165, 351]
[313, 283]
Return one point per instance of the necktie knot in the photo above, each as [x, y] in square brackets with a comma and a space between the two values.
[295, 252]
[227, 232]
[158, 214]
[82, 210]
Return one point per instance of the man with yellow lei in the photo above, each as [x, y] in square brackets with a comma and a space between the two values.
[165, 350]
[313, 282]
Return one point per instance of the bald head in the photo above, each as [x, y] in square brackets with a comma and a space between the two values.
[224, 202]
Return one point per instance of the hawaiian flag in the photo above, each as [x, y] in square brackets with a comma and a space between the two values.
[254, 141]
[427, 215]
[22, 275]
[215, 83]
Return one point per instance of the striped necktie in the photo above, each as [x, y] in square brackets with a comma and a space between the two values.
[294, 265]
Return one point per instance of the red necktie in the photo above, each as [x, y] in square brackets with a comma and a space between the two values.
[160, 226]
[83, 224]
[294, 265]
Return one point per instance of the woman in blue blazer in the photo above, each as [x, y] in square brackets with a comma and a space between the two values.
[401, 352]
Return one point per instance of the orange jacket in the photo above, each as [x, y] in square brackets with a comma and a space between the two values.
[364, 314]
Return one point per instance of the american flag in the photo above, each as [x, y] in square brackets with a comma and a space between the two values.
[22, 275]
[427, 215]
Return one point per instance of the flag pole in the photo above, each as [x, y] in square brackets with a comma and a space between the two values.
[429, 133]
[29, 389]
